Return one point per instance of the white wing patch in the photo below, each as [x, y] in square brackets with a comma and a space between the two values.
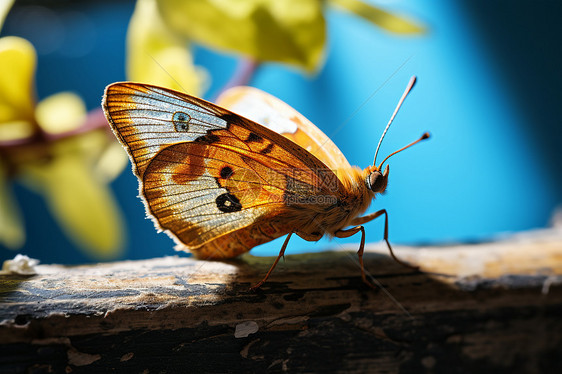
[265, 112]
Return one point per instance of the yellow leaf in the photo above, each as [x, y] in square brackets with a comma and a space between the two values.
[13, 130]
[111, 162]
[103, 154]
[89, 145]
[17, 96]
[287, 31]
[5, 6]
[383, 19]
[156, 55]
[60, 112]
[83, 206]
[12, 234]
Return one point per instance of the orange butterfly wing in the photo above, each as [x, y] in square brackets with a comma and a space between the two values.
[216, 182]
[269, 111]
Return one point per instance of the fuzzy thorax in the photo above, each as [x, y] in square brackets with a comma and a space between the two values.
[312, 221]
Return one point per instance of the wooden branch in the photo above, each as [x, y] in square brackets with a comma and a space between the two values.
[490, 306]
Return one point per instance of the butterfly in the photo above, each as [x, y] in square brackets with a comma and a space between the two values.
[220, 183]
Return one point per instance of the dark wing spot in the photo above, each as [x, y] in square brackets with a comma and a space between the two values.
[253, 137]
[226, 172]
[209, 138]
[228, 203]
[267, 149]
[181, 121]
[230, 118]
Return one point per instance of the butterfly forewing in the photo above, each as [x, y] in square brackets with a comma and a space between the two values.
[148, 118]
[210, 177]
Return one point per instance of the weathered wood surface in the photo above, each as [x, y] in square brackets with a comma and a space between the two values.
[483, 307]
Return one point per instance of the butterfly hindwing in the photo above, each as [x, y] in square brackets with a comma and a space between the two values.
[276, 115]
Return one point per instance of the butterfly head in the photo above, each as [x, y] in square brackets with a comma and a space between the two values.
[376, 180]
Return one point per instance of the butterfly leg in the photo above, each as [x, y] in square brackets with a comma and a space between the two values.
[281, 254]
[350, 232]
[372, 216]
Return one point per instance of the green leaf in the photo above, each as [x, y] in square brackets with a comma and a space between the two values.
[83, 206]
[12, 233]
[383, 19]
[156, 55]
[287, 31]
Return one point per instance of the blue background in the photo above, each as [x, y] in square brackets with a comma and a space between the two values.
[488, 92]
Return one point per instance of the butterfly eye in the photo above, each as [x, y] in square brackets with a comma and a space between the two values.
[181, 121]
[376, 181]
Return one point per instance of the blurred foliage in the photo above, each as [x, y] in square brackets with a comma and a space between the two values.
[5, 6]
[11, 227]
[158, 56]
[288, 31]
[383, 19]
[17, 62]
[291, 32]
[55, 149]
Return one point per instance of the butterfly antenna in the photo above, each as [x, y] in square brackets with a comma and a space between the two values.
[406, 92]
[423, 137]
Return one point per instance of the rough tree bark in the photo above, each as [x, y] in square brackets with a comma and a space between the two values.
[472, 308]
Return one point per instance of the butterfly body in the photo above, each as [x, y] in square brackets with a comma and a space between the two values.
[220, 184]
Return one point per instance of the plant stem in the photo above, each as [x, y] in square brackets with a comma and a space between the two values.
[242, 75]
